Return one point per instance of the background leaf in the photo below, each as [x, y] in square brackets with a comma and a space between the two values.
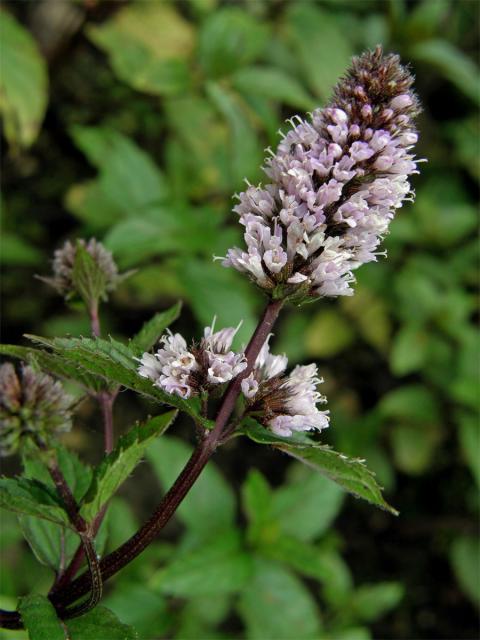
[40, 618]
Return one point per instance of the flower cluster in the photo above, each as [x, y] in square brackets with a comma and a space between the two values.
[64, 262]
[336, 182]
[33, 405]
[186, 372]
[286, 403]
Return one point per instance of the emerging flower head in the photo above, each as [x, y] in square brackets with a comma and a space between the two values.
[286, 403]
[33, 405]
[64, 264]
[335, 183]
[186, 372]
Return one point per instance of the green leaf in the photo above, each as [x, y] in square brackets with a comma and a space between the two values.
[99, 624]
[321, 44]
[306, 506]
[216, 567]
[465, 559]
[32, 498]
[245, 151]
[410, 403]
[54, 364]
[215, 291]
[16, 251]
[275, 604]
[151, 331]
[129, 180]
[23, 85]
[229, 39]
[350, 473]
[370, 602]
[328, 333]
[119, 464]
[210, 504]
[273, 83]
[47, 540]
[115, 362]
[256, 500]
[262, 435]
[89, 280]
[325, 565]
[410, 350]
[469, 436]
[140, 606]
[40, 619]
[414, 446]
[148, 45]
[452, 63]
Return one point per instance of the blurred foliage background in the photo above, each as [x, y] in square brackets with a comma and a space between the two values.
[135, 122]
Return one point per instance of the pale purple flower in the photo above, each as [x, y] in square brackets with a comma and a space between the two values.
[335, 184]
[186, 371]
[287, 403]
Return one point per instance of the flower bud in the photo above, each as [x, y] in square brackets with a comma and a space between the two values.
[33, 406]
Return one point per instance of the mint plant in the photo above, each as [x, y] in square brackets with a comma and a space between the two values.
[336, 181]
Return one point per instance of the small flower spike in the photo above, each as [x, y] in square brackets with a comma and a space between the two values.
[64, 261]
[186, 372]
[286, 403]
[335, 184]
[32, 406]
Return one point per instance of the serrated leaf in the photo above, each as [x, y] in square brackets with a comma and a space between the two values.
[151, 331]
[40, 618]
[31, 497]
[115, 362]
[89, 280]
[349, 473]
[54, 364]
[23, 84]
[100, 624]
[118, 465]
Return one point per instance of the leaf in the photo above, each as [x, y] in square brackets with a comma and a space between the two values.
[410, 350]
[229, 38]
[115, 362]
[23, 85]
[321, 45]
[88, 278]
[48, 540]
[328, 333]
[129, 180]
[452, 63]
[350, 473]
[151, 331]
[33, 498]
[413, 403]
[273, 83]
[16, 251]
[469, 436]
[275, 604]
[245, 151]
[311, 561]
[118, 465]
[40, 619]
[414, 446]
[148, 45]
[215, 291]
[99, 624]
[256, 500]
[370, 602]
[306, 506]
[210, 504]
[465, 559]
[216, 567]
[54, 364]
